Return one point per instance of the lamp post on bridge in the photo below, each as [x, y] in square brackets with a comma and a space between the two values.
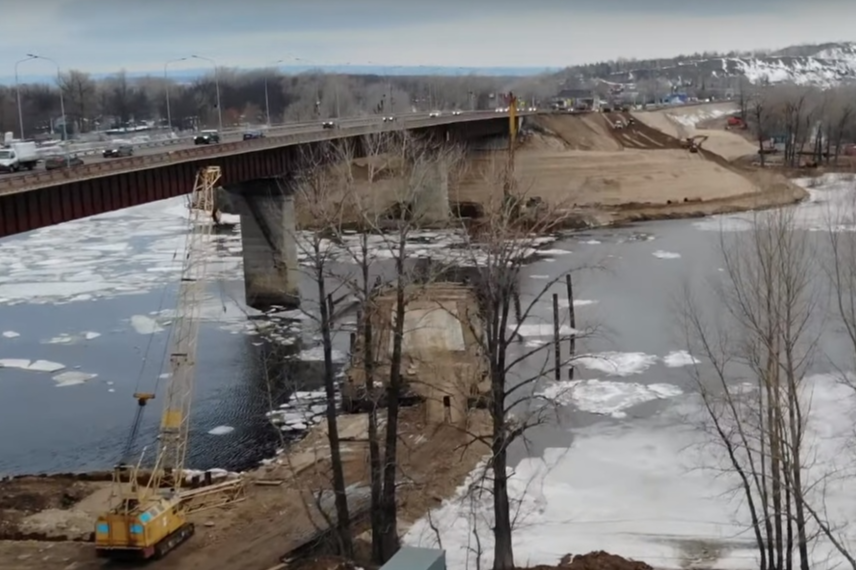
[166, 86]
[216, 87]
[18, 94]
[61, 102]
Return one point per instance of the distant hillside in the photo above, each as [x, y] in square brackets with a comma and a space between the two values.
[822, 65]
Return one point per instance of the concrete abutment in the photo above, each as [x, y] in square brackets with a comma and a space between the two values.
[268, 233]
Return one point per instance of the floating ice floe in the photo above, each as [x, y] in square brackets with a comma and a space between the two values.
[31, 365]
[303, 410]
[577, 303]
[221, 430]
[617, 363]
[660, 254]
[606, 397]
[66, 338]
[143, 324]
[553, 252]
[10, 334]
[591, 242]
[541, 330]
[72, 378]
[539, 277]
[678, 358]
[316, 354]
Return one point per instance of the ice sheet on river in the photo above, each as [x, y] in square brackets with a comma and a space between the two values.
[641, 490]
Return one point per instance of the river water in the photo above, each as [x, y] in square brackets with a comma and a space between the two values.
[87, 303]
[84, 315]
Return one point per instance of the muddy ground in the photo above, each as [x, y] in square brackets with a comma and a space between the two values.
[254, 534]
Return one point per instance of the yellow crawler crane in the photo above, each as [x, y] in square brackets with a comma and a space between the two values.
[149, 514]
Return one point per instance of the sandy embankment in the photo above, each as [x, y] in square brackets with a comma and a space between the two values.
[637, 173]
[681, 123]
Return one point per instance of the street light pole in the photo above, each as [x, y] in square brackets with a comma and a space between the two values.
[267, 99]
[18, 95]
[166, 86]
[216, 87]
[61, 102]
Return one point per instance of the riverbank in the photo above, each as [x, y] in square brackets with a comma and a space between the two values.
[280, 510]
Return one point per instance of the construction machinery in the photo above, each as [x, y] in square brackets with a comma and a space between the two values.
[693, 144]
[736, 122]
[149, 512]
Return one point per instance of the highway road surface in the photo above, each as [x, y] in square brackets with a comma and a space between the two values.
[187, 142]
[231, 143]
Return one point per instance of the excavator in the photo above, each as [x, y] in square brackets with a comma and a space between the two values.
[693, 144]
[148, 516]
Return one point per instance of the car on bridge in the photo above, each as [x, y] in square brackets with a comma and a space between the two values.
[328, 125]
[389, 119]
[118, 151]
[434, 114]
[58, 161]
[209, 136]
[251, 135]
[456, 112]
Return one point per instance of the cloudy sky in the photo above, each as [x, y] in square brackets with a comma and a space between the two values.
[103, 36]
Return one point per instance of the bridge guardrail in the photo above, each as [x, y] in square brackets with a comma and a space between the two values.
[134, 163]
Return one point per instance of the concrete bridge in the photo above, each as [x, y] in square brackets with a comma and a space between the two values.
[253, 173]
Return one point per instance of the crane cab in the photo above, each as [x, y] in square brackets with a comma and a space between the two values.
[142, 530]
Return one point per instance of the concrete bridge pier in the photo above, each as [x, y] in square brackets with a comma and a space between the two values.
[268, 233]
[431, 200]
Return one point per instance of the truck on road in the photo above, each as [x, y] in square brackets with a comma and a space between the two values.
[18, 156]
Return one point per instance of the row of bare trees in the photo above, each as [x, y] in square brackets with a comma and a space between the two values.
[780, 281]
[812, 125]
[335, 195]
[122, 100]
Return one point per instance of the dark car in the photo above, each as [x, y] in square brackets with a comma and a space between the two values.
[328, 125]
[250, 135]
[118, 151]
[60, 161]
[207, 137]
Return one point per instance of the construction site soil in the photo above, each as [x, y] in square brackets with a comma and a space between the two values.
[585, 164]
[57, 513]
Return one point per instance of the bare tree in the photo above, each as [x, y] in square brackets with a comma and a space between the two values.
[318, 193]
[79, 90]
[754, 397]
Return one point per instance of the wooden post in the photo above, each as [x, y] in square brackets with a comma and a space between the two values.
[557, 347]
[573, 324]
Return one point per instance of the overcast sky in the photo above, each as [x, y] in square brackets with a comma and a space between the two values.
[103, 36]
